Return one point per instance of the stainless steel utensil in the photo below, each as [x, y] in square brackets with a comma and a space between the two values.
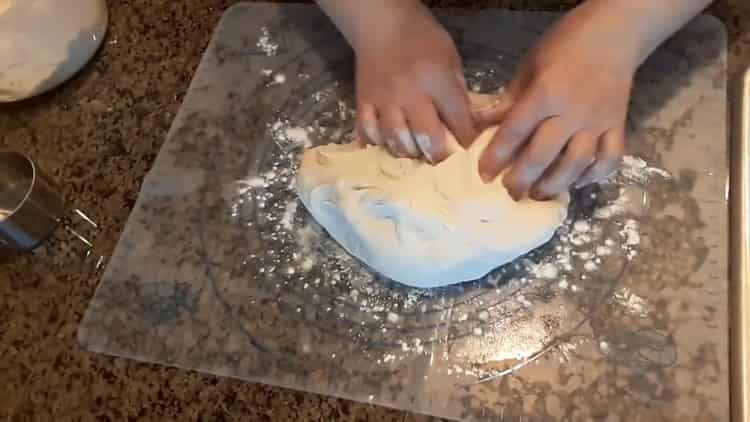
[30, 205]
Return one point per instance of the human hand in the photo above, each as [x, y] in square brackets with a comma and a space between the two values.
[410, 87]
[566, 124]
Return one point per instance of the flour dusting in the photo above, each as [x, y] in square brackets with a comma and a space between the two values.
[630, 302]
[636, 170]
[265, 44]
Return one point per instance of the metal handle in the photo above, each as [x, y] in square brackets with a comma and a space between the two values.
[739, 249]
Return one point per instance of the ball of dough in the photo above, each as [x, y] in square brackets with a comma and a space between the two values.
[419, 224]
[45, 42]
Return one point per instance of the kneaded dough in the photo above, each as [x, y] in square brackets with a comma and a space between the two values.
[419, 224]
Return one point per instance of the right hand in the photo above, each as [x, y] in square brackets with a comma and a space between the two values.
[410, 87]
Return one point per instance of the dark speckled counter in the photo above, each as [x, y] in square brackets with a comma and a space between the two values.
[100, 134]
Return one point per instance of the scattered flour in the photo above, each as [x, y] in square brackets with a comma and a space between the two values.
[632, 237]
[287, 219]
[590, 266]
[636, 170]
[630, 302]
[630, 232]
[613, 209]
[288, 137]
[546, 270]
[265, 44]
[298, 136]
[603, 251]
[244, 186]
[279, 78]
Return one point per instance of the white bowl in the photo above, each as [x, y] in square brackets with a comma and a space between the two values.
[45, 42]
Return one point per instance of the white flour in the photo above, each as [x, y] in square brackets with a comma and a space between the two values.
[615, 208]
[635, 170]
[265, 44]
[279, 78]
[630, 302]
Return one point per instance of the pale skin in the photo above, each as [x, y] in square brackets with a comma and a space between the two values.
[565, 126]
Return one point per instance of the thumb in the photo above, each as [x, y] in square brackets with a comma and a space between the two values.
[452, 104]
[494, 113]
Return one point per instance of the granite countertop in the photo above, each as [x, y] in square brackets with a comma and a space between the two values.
[98, 135]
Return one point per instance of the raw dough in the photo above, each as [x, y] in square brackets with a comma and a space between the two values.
[44, 42]
[418, 224]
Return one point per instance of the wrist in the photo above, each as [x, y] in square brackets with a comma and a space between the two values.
[386, 30]
[637, 27]
[370, 24]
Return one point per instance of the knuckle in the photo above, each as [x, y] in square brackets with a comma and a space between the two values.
[364, 113]
[512, 133]
[580, 159]
[582, 144]
[527, 172]
[545, 188]
[553, 190]
[535, 158]
[602, 169]
[612, 155]
[498, 157]
[550, 87]
[613, 165]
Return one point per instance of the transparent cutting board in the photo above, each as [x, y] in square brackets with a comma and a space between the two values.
[220, 270]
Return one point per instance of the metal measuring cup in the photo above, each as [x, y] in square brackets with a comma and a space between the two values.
[31, 207]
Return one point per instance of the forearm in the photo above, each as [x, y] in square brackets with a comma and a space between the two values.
[636, 27]
[369, 22]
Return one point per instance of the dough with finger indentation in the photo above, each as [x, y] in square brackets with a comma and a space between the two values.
[419, 224]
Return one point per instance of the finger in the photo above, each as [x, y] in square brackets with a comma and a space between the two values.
[578, 155]
[453, 107]
[518, 125]
[367, 124]
[428, 131]
[461, 79]
[357, 139]
[537, 155]
[497, 108]
[609, 153]
[395, 133]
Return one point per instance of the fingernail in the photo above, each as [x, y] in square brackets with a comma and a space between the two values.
[392, 145]
[485, 170]
[373, 133]
[425, 144]
[356, 139]
[410, 146]
[538, 195]
[406, 142]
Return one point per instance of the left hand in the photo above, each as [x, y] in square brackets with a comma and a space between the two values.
[566, 124]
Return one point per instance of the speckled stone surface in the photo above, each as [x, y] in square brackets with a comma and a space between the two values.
[99, 134]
